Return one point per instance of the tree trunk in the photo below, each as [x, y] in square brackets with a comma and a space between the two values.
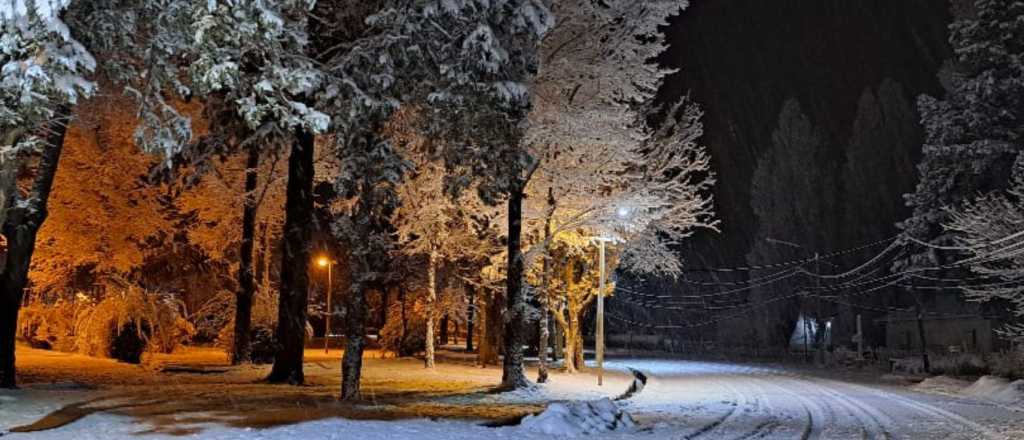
[542, 347]
[292, 303]
[405, 319]
[557, 353]
[470, 311]
[442, 336]
[23, 221]
[431, 305]
[355, 342]
[925, 363]
[545, 294]
[513, 375]
[573, 344]
[241, 349]
[490, 339]
[383, 317]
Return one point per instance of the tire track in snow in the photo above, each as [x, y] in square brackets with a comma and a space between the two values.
[873, 423]
[733, 406]
[935, 412]
[814, 416]
[838, 404]
[773, 417]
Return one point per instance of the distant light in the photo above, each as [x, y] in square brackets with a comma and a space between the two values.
[323, 261]
[623, 212]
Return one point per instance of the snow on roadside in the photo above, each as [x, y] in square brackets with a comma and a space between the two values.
[572, 419]
[998, 390]
[941, 385]
[991, 388]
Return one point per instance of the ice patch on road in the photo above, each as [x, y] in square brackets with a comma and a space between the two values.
[571, 419]
[998, 390]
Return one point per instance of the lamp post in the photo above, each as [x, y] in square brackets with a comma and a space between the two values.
[623, 213]
[599, 338]
[328, 263]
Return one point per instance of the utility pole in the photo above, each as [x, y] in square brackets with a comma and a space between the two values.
[600, 321]
[860, 339]
[819, 334]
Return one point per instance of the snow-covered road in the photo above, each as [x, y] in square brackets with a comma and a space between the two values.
[724, 401]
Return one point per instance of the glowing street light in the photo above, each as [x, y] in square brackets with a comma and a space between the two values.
[323, 261]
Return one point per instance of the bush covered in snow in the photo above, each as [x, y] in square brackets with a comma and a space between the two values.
[52, 326]
[126, 323]
[571, 419]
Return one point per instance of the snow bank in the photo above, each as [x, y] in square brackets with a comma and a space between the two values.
[998, 390]
[571, 419]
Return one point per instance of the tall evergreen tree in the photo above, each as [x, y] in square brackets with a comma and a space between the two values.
[975, 133]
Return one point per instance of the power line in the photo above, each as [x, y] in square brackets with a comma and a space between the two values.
[794, 262]
[895, 279]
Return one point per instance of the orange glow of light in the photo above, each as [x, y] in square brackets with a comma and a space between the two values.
[323, 261]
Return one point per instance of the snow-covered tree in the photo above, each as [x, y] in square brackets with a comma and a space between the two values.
[986, 227]
[975, 133]
[487, 53]
[600, 169]
[247, 62]
[440, 228]
[43, 70]
[785, 198]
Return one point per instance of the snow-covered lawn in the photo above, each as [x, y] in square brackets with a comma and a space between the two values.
[682, 399]
[195, 392]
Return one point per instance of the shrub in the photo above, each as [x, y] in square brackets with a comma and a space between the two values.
[1008, 364]
[106, 329]
[264, 345]
[52, 326]
[964, 364]
[127, 343]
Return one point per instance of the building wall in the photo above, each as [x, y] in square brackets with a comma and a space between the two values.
[970, 334]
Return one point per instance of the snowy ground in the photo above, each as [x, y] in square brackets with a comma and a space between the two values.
[725, 401]
[682, 400]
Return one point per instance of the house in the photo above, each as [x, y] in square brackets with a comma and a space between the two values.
[968, 333]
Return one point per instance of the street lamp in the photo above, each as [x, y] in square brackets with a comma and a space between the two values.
[623, 213]
[599, 338]
[323, 261]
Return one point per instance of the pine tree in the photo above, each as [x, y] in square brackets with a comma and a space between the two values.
[42, 75]
[489, 50]
[975, 133]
